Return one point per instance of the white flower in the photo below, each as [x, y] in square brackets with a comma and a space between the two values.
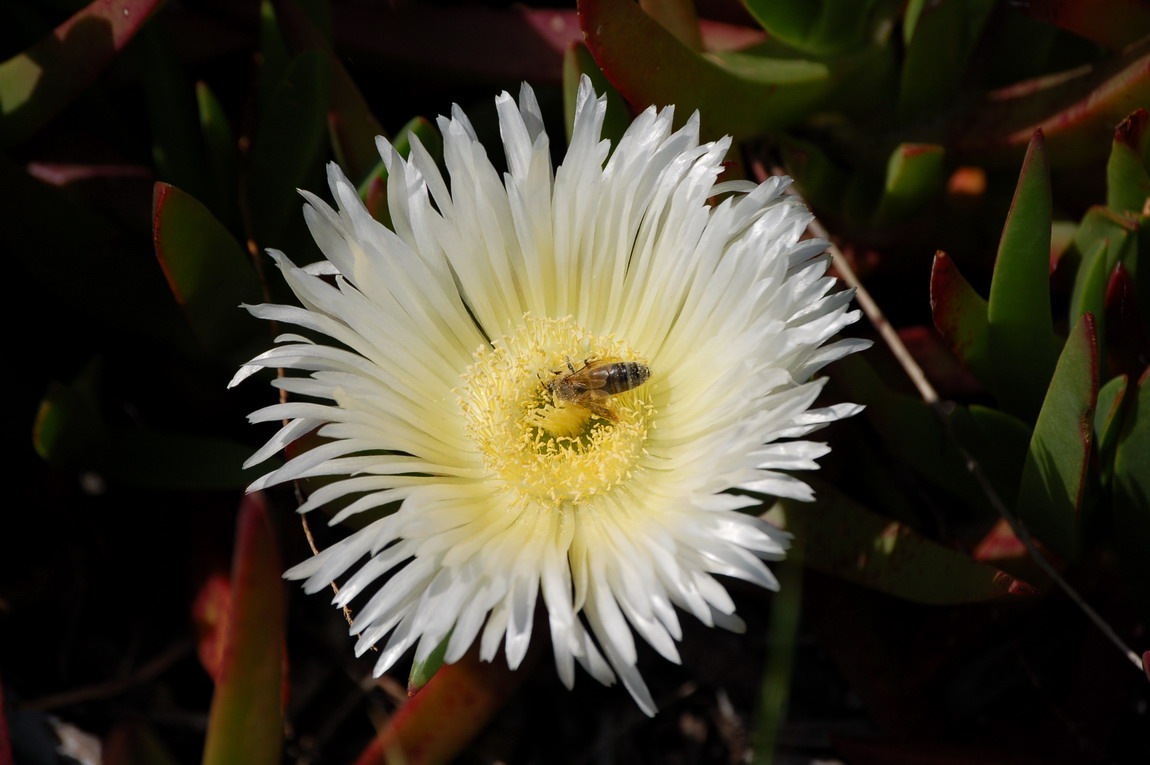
[435, 390]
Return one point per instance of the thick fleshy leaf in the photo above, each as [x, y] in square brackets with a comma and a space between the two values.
[68, 424]
[678, 17]
[1113, 25]
[846, 540]
[998, 441]
[1108, 423]
[246, 720]
[579, 62]
[820, 27]
[170, 99]
[822, 182]
[960, 316]
[37, 84]
[222, 155]
[1131, 496]
[1022, 345]
[210, 617]
[1076, 111]
[352, 124]
[439, 721]
[783, 639]
[373, 191]
[910, 429]
[422, 671]
[915, 176]
[1103, 239]
[1053, 485]
[288, 151]
[78, 265]
[1127, 176]
[735, 93]
[939, 37]
[209, 273]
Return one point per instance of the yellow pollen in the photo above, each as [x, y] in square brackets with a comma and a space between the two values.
[552, 453]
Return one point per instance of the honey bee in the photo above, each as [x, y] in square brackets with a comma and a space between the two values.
[591, 385]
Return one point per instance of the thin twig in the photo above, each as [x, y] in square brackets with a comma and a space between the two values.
[930, 396]
[142, 674]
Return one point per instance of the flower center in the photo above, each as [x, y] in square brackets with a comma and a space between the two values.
[559, 415]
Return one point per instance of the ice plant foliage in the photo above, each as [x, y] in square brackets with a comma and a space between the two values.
[432, 355]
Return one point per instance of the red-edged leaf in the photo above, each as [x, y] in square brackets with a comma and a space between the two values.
[1054, 478]
[846, 540]
[960, 316]
[439, 721]
[1128, 335]
[209, 273]
[1113, 25]
[915, 176]
[741, 95]
[246, 720]
[210, 615]
[37, 84]
[577, 63]
[1127, 176]
[1076, 112]
[1020, 331]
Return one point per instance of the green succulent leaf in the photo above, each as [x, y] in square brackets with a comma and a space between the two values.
[423, 670]
[37, 84]
[1131, 495]
[908, 427]
[1104, 238]
[208, 272]
[1050, 495]
[373, 190]
[246, 720]
[821, 27]
[177, 143]
[960, 316]
[915, 176]
[1127, 179]
[1023, 347]
[1071, 108]
[68, 424]
[940, 37]
[288, 150]
[222, 155]
[1108, 423]
[998, 441]
[821, 180]
[735, 93]
[351, 123]
[846, 540]
[577, 62]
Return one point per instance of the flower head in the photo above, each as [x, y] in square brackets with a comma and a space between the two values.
[556, 375]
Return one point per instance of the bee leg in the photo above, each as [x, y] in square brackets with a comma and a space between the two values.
[593, 402]
[569, 365]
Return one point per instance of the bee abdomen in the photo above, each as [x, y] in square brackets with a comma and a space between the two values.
[626, 375]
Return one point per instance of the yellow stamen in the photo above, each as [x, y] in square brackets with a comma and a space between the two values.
[551, 454]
